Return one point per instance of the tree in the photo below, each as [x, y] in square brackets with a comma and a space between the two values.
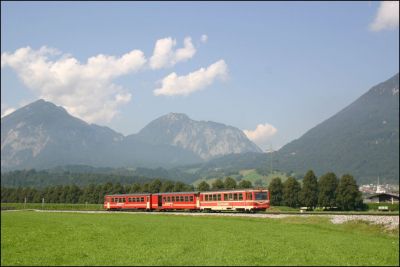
[218, 184]
[203, 186]
[75, 192]
[327, 185]
[276, 192]
[258, 182]
[245, 184]
[291, 189]
[348, 197]
[179, 187]
[135, 188]
[230, 183]
[155, 186]
[118, 189]
[145, 188]
[308, 196]
[167, 186]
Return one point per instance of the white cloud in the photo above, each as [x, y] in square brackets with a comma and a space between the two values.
[194, 81]
[387, 16]
[86, 90]
[204, 38]
[262, 134]
[165, 56]
[5, 110]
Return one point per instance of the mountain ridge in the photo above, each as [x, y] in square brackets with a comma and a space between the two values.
[43, 135]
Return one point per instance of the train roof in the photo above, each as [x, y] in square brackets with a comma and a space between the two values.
[128, 194]
[171, 193]
[192, 192]
[235, 190]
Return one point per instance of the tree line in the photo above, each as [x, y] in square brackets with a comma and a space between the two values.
[228, 183]
[91, 193]
[326, 192]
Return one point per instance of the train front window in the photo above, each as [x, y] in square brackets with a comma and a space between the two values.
[261, 196]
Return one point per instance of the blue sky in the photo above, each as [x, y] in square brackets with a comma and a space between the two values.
[285, 66]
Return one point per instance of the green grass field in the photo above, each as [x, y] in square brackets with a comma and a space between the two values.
[52, 206]
[35, 238]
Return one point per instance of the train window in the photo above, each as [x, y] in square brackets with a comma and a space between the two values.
[261, 196]
[123, 200]
[191, 198]
[235, 197]
[219, 197]
[225, 196]
[206, 197]
[142, 199]
[168, 199]
[230, 196]
[112, 200]
[173, 199]
[133, 199]
[181, 198]
[164, 199]
[240, 196]
[214, 197]
[249, 196]
[186, 198]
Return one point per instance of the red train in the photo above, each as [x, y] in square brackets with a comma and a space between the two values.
[235, 200]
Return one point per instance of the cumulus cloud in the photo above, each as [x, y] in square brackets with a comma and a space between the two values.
[164, 54]
[5, 110]
[86, 90]
[387, 16]
[194, 81]
[262, 134]
[204, 38]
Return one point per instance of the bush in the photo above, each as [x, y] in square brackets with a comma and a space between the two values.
[374, 206]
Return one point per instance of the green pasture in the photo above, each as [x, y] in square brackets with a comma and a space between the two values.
[51, 206]
[36, 238]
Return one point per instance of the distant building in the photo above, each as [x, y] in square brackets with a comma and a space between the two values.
[382, 198]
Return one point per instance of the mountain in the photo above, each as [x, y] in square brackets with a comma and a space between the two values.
[362, 139]
[205, 139]
[42, 135]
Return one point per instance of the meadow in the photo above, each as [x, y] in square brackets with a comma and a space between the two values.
[36, 238]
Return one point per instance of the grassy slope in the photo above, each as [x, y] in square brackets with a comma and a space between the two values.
[30, 238]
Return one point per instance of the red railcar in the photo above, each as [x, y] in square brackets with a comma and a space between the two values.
[128, 201]
[224, 200]
[175, 201]
[237, 200]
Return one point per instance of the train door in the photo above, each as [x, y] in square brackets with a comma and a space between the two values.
[197, 201]
[148, 202]
[159, 201]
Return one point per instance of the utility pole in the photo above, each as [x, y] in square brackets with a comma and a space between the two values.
[42, 203]
[271, 153]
